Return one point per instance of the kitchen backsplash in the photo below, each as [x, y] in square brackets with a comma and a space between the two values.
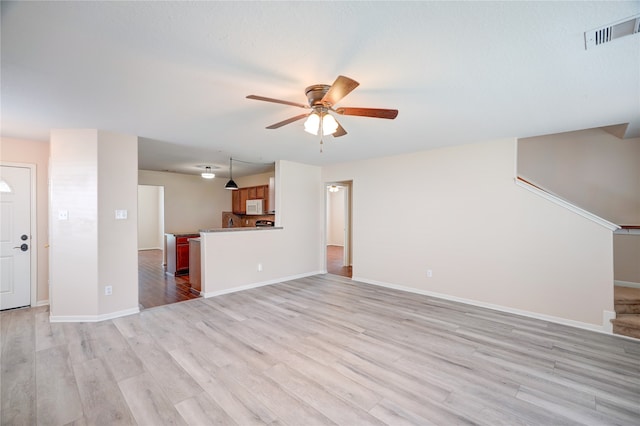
[230, 220]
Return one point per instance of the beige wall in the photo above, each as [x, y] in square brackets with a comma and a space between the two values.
[626, 258]
[92, 174]
[74, 242]
[231, 259]
[117, 239]
[486, 240]
[335, 217]
[590, 168]
[191, 203]
[150, 217]
[254, 180]
[35, 152]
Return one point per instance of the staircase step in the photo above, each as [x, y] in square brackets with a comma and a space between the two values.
[627, 325]
[627, 309]
[626, 300]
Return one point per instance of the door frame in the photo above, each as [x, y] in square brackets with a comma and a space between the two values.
[33, 255]
[348, 224]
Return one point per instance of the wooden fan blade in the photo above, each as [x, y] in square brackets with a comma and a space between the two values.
[369, 112]
[287, 121]
[339, 89]
[340, 131]
[277, 101]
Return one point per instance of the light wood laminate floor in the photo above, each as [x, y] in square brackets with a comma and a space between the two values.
[316, 351]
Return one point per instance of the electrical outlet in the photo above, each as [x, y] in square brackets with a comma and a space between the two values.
[429, 273]
[108, 290]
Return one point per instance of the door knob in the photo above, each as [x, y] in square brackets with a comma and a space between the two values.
[23, 247]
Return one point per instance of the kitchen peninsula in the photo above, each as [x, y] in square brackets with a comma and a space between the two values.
[177, 252]
[177, 244]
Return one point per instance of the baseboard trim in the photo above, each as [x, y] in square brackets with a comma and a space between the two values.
[42, 303]
[626, 284]
[500, 308]
[93, 318]
[259, 284]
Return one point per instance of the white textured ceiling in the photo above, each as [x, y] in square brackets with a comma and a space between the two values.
[177, 73]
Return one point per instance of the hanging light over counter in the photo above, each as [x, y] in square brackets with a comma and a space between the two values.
[231, 184]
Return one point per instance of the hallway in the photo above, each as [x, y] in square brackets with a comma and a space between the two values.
[155, 288]
[335, 263]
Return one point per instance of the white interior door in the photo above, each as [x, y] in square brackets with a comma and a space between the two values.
[15, 237]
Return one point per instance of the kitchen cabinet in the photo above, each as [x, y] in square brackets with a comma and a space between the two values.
[178, 253]
[239, 198]
[251, 191]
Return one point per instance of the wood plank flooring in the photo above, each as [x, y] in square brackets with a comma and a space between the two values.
[321, 350]
[335, 262]
[155, 288]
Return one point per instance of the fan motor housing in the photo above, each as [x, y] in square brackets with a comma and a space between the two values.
[315, 94]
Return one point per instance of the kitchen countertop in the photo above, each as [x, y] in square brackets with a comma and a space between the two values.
[244, 228]
[183, 234]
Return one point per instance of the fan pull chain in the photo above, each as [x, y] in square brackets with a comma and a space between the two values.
[321, 131]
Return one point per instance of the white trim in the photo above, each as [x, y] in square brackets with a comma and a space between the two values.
[500, 308]
[567, 205]
[626, 284]
[33, 210]
[607, 325]
[259, 284]
[627, 231]
[42, 303]
[93, 318]
[149, 248]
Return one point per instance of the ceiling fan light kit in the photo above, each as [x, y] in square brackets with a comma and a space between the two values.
[327, 125]
[321, 99]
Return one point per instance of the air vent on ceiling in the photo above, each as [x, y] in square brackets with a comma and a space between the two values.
[598, 36]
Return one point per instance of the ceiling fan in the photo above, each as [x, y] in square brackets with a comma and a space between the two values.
[322, 98]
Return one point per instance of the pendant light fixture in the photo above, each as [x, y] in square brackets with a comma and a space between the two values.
[231, 184]
[207, 173]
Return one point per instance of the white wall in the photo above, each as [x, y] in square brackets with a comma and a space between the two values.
[150, 217]
[190, 202]
[92, 173]
[486, 240]
[335, 217]
[230, 259]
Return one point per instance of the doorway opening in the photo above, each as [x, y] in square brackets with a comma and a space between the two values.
[338, 228]
[155, 287]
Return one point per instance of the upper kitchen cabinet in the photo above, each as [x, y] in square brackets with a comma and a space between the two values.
[240, 197]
